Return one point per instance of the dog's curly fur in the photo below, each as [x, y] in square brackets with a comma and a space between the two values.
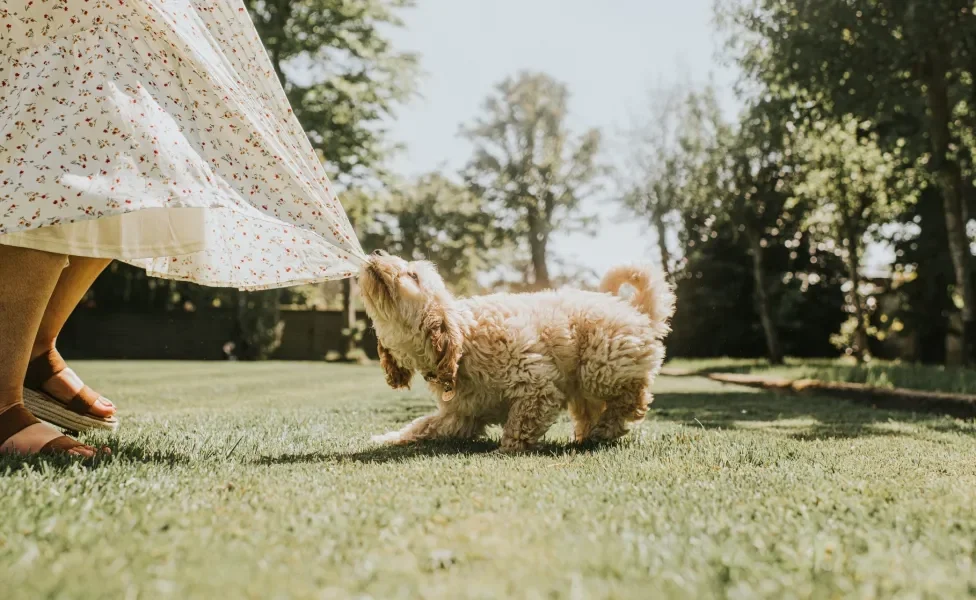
[519, 359]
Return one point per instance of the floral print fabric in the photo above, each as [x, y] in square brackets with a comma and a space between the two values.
[109, 107]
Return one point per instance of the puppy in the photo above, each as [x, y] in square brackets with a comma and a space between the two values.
[518, 360]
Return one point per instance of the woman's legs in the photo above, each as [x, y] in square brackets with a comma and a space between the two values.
[72, 284]
[27, 280]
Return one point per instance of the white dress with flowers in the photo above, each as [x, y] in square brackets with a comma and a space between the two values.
[156, 132]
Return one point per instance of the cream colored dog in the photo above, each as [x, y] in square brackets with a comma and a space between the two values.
[518, 359]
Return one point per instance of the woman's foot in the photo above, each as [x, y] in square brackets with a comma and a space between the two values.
[21, 433]
[49, 373]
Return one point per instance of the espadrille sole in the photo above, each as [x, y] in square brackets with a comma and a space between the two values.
[46, 408]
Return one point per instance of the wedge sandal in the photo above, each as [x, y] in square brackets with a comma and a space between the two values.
[74, 415]
[18, 418]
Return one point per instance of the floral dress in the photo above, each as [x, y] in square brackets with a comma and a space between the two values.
[156, 132]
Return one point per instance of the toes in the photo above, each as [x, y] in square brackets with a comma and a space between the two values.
[102, 408]
[90, 452]
[83, 451]
[66, 384]
[45, 439]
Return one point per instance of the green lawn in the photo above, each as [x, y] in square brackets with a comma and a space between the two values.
[238, 480]
[877, 372]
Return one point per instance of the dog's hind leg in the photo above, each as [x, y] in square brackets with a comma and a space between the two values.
[436, 426]
[530, 418]
[623, 411]
[586, 414]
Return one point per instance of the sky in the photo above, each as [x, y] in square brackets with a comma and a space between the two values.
[610, 53]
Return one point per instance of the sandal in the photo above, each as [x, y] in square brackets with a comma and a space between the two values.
[18, 418]
[73, 415]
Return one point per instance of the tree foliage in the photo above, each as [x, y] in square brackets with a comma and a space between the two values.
[434, 218]
[341, 73]
[666, 153]
[530, 170]
[907, 66]
[853, 187]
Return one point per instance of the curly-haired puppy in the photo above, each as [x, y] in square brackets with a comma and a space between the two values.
[519, 359]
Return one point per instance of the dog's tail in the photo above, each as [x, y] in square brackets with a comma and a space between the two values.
[652, 295]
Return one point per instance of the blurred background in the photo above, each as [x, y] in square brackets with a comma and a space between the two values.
[803, 170]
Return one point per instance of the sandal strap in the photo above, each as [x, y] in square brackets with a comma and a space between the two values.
[61, 444]
[83, 401]
[43, 368]
[14, 420]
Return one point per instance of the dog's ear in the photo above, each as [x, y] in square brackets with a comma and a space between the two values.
[440, 325]
[396, 376]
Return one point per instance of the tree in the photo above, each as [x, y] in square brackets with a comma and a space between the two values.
[436, 219]
[922, 261]
[663, 150]
[902, 64]
[745, 183]
[342, 75]
[853, 186]
[532, 173]
[716, 313]
[432, 218]
[723, 177]
[716, 292]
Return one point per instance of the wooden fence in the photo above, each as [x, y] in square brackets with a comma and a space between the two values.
[307, 335]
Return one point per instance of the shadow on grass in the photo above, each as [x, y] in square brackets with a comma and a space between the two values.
[135, 452]
[816, 417]
[393, 454]
[128, 452]
[10, 464]
[802, 418]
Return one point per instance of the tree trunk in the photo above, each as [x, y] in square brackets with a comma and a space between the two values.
[763, 308]
[952, 186]
[662, 242]
[539, 267]
[859, 344]
[538, 246]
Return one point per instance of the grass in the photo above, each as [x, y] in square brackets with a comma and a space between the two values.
[878, 373]
[258, 481]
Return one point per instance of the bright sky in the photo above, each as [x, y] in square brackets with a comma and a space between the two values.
[610, 53]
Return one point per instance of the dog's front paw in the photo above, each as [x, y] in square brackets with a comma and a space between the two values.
[392, 438]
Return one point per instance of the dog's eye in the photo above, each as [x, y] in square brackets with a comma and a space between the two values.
[414, 276]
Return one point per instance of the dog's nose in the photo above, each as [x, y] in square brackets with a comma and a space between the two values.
[380, 253]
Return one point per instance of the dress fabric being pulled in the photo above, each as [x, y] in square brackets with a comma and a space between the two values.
[157, 132]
